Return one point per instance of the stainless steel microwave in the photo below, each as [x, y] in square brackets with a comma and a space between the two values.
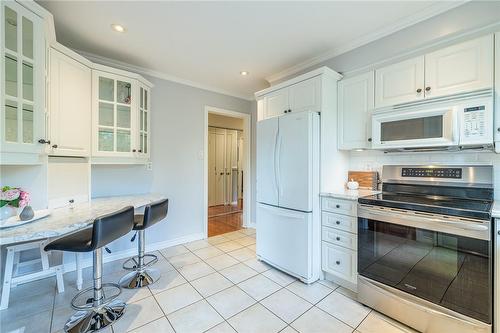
[449, 125]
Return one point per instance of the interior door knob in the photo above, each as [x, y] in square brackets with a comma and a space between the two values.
[427, 88]
[419, 90]
[222, 173]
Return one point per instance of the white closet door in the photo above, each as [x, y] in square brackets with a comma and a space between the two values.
[212, 172]
[220, 165]
[231, 162]
[294, 162]
[267, 135]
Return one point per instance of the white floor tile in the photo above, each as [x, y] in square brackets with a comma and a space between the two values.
[217, 239]
[221, 262]
[288, 329]
[138, 314]
[211, 284]
[158, 326]
[378, 323]
[197, 317]
[208, 252]
[248, 231]
[329, 284]
[245, 241]
[36, 323]
[176, 298]
[229, 246]
[286, 305]
[344, 308]
[242, 254]
[183, 260]
[196, 245]
[257, 265]
[312, 293]
[318, 321]
[234, 235]
[174, 251]
[347, 292]
[252, 247]
[238, 273]
[167, 280]
[256, 319]
[279, 277]
[195, 271]
[230, 301]
[259, 287]
[222, 328]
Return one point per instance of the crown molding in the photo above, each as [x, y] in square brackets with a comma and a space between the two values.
[147, 71]
[420, 16]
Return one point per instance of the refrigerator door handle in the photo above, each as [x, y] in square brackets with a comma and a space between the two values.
[276, 186]
[280, 190]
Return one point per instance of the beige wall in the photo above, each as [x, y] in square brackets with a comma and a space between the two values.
[224, 121]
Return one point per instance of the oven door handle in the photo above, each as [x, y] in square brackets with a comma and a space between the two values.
[472, 229]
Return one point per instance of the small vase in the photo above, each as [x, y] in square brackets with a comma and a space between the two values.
[7, 211]
[27, 213]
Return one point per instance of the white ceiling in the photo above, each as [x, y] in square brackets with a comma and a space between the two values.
[211, 42]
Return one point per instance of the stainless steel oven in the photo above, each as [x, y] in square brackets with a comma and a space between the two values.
[425, 254]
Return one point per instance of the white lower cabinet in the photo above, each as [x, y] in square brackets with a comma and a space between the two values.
[339, 241]
[69, 120]
[497, 92]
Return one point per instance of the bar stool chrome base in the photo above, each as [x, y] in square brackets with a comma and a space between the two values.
[140, 278]
[95, 319]
[132, 264]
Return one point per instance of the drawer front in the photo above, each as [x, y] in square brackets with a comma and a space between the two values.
[339, 261]
[339, 206]
[340, 238]
[342, 222]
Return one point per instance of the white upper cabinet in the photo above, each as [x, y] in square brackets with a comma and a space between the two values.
[305, 95]
[356, 101]
[400, 83]
[497, 92]
[70, 98]
[22, 96]
[456, 69]
[144, 121]
[276, 103]
[463, 67]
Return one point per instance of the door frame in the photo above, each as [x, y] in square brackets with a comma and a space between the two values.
[247, 177]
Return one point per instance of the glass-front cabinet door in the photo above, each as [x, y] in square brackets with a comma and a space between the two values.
[114, 115]
[144, 121]
[23, 85]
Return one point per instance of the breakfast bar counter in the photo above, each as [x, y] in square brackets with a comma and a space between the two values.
[65, 220]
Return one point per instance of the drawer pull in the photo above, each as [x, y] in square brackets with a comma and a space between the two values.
[337, 262]
[337, 222]
[337, 206]
[338, 238]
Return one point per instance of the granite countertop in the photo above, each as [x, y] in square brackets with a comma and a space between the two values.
[495, 212]
[65, 220]
[349, 194]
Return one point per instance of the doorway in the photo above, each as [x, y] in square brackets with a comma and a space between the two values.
[227, 170]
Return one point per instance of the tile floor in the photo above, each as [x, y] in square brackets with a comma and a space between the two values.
[212, 285]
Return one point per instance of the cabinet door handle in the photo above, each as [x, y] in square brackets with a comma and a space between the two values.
[54, 146]
[369, 139]
[337, 222]
[222, 173]
[427, 88]
[43, 141]
[419, 90]
[337, 206]
[289, 110]
[498, 129]
[338, 238]
[285, 111]
[140, 150]
[337, 262]
[133, 150]
[498, 232]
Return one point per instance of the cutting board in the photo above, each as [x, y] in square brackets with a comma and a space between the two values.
[368, 180]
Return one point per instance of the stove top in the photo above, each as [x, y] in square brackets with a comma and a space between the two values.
[467, 208]
[462, 191]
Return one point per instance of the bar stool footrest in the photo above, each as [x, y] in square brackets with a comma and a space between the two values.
[132, 264]
[94, 320]
[139, 279]
[84, 300]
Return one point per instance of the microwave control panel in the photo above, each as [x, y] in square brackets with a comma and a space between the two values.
[474, 121]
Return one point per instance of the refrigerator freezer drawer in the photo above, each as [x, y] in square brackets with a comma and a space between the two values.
[284, 238]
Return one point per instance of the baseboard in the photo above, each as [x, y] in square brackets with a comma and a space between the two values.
[71, 266]
[251, 225]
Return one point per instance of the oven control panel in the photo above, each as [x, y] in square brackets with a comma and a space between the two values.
[455, 173]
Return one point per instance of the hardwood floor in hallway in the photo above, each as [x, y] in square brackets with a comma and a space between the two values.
[223, 219]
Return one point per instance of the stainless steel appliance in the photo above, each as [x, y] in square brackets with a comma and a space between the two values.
[425, 254]
[453, 124]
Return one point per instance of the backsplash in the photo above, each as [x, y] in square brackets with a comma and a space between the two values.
[374, 160]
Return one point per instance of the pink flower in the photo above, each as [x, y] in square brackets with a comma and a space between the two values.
[11, 194]
[24, 199]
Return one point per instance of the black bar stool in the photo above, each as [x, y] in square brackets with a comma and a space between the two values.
[100, 308]
[142, 275]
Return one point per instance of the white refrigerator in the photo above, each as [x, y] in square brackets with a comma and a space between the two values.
[288, 221]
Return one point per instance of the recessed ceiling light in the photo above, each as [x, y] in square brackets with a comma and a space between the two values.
[118, 27]
[244, 73]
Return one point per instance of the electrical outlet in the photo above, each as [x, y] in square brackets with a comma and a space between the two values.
[149, 166]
